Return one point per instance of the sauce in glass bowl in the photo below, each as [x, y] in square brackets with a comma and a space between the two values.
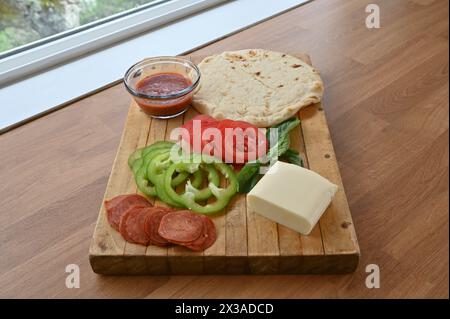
[163, 87]
[163, 84]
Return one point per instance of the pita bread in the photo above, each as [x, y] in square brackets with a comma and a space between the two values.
[258, 86]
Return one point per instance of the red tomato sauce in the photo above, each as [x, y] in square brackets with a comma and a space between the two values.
[163, 84]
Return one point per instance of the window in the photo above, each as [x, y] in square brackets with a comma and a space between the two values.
[26, 22]
[159, 28]
[55, 49]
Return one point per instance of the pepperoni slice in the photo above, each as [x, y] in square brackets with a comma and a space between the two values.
[117, 206]
[151, 225]
[211, 235]
[206, 239]
[132, 225]
[181, 226]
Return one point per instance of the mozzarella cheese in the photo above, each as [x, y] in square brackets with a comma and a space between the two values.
[292, 196]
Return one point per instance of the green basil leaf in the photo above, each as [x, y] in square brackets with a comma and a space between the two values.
[292, 156]
[284, 128]
[255, 179]
[249, 174]
[278, 148]
[246, 177]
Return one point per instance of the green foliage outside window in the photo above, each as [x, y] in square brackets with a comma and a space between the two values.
[25, 21]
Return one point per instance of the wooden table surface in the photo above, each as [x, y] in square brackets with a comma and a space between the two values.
[387, 105]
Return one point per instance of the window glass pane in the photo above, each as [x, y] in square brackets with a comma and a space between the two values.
[26, 21]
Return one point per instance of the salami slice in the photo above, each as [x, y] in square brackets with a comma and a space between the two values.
[131, 225]
[181, 226]
[211, 235]
[118, 205]
[151, 225]
[206, 239]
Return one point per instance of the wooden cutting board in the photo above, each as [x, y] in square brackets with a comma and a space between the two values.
[246, 242]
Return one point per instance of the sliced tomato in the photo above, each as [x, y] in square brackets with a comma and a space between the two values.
[242, 141]
[205, 122]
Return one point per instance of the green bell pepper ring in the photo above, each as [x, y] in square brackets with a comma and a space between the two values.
[146, 187]
[200, 194]
[137, 154]
[223, 195]
[151, 155]
[137, 165]
[155, 173]
[140, 152]
[205, 193]
[143, 184]
[144, 160]
[179, 179]
[183, 176]
[140, 175]
[157, 145]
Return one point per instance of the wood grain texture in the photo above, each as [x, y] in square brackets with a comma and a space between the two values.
[271, 248]
[387, 107]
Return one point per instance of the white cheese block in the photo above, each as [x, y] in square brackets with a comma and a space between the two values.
[292, 196]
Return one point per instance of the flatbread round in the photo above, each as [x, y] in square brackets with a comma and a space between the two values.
[258, 86]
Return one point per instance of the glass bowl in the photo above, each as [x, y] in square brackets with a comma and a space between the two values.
[163, 105]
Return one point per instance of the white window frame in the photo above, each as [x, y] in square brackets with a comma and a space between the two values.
[95, 36]
[39, 93]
